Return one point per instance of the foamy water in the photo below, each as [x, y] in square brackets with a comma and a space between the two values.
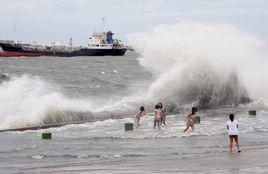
[83, 148]
[212, 123]
[26, 101]
[192, 60]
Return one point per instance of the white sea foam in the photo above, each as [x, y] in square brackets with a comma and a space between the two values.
[209, 126]
[188, 58]
[38, 157]
[25, 101]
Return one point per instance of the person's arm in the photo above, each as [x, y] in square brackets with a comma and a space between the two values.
[164, 111]
[227, 125]
[190, 117]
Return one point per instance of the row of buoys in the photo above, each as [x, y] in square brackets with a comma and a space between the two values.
[197, 120]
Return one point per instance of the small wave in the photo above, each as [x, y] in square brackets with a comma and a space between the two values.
[108, 156]
[38, 157]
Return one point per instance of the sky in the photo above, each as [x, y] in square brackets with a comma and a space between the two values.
[48, 21]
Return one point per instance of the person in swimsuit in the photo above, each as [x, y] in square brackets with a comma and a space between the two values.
[157, 116]
[138, 116]
[232, 127]
[163, 118]
[190, 119]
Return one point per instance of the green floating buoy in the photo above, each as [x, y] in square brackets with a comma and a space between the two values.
[47, 135]
[128, 126]
[197, 119]
[252, 113]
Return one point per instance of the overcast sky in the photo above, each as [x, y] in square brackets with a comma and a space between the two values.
[55, 20]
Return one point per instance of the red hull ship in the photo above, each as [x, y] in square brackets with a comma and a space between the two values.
[17, 54]
[102, 44]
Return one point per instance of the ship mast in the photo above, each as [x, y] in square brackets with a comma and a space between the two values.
[14, 31]
[71, 43]
[103, 24]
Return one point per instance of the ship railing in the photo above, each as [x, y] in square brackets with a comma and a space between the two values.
[7, 41]
[101, 45]
[113, 46]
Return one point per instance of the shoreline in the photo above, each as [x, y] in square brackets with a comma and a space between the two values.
[194, 154]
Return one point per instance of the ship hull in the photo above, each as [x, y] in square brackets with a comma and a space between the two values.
[16, 51]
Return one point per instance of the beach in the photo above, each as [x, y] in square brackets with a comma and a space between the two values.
[193, 154]
[105, 147]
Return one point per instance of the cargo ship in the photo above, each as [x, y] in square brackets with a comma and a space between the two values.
[100, 44]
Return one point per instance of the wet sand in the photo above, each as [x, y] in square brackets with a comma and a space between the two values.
[194, 154]
[202, 156]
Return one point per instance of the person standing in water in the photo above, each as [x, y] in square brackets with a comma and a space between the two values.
[157, 116]
[163, 118]
[190, 119]
[232, 127]
[138, 116]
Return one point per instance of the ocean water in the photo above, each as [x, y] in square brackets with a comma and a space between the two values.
[49, 90]
[102, 146]
[104, 93]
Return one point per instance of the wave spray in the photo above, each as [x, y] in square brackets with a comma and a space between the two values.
[203, 64]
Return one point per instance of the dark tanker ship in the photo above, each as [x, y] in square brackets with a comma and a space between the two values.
[102, 44]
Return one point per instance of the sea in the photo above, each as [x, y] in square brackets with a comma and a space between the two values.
[88, 100]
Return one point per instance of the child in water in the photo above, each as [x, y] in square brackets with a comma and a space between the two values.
[138, 116]
[157, 116]
[190, 119]
[232, 127]
[163, 118]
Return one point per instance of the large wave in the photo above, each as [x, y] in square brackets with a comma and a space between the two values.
[28, 101]
[193, 64]
[203, 64]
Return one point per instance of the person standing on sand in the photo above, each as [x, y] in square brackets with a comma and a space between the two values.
[138, 116]
[232, 127]
[157, 116]
[190, 119]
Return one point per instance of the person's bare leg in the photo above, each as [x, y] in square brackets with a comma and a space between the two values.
[158, 123]
[186, 129]
[192, 128]
[231, 143]
[237, 144]
[164, 121]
